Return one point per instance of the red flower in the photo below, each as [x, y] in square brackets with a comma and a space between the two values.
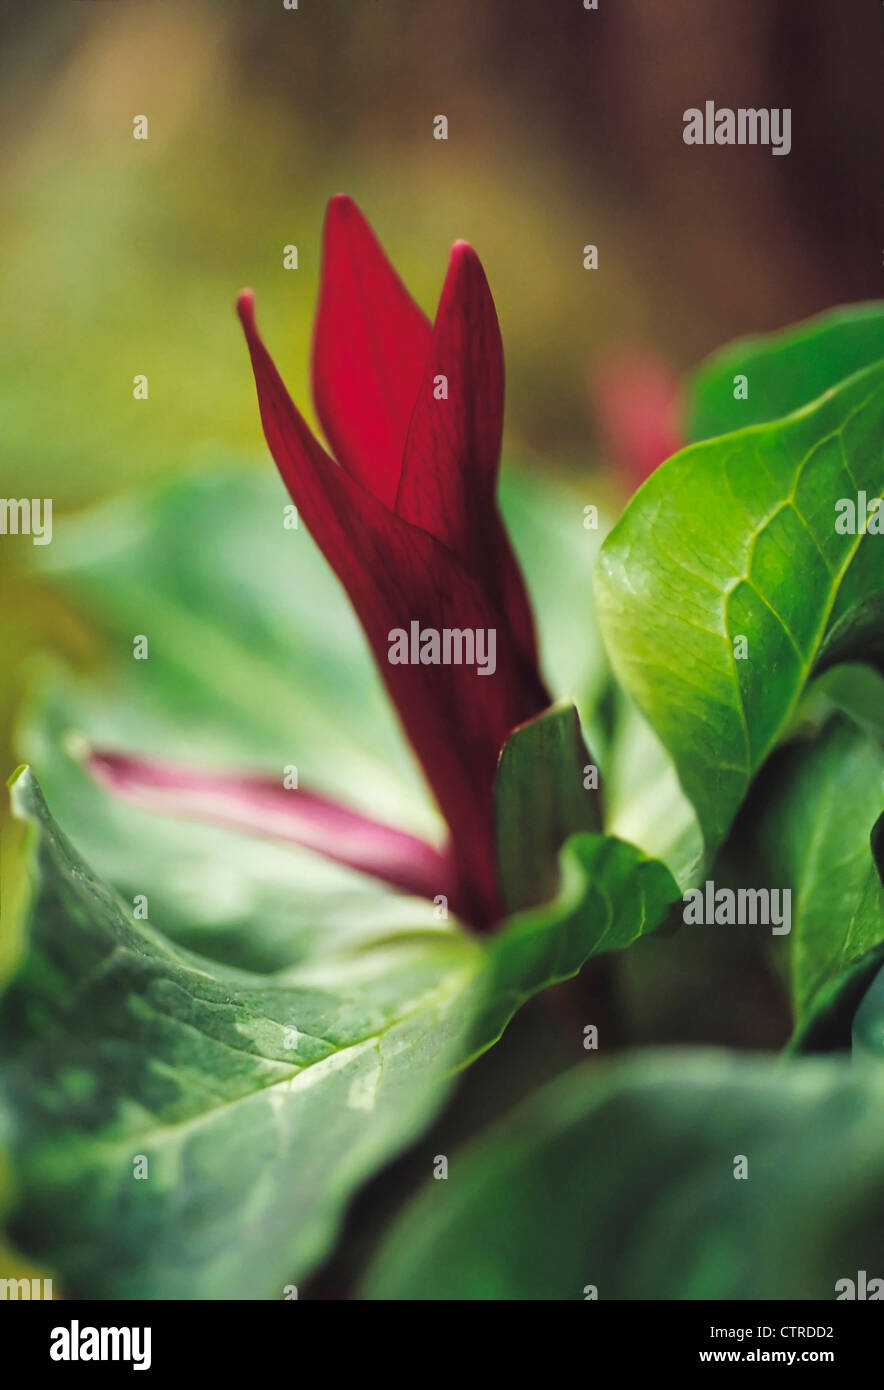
[637, 404]
[407, 517]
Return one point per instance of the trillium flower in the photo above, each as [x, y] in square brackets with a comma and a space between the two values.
[405, 512]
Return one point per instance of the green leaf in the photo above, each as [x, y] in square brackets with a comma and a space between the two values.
[784, 370]
[258, 1102]
[117, 1043]
[621, 1175]
[610, 895]
[539, 800]
[814, 835]
[735, 538]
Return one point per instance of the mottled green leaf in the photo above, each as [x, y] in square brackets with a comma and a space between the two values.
[255, 661]
[259, 1101]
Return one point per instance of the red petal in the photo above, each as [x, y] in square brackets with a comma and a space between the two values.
[369, 349]
[395, 574]
[449, 471]
[264, 807]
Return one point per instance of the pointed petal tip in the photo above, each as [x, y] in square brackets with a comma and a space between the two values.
[342, 214]
[245, 307]
[340, 204]
[465, 270]
[463, 254]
